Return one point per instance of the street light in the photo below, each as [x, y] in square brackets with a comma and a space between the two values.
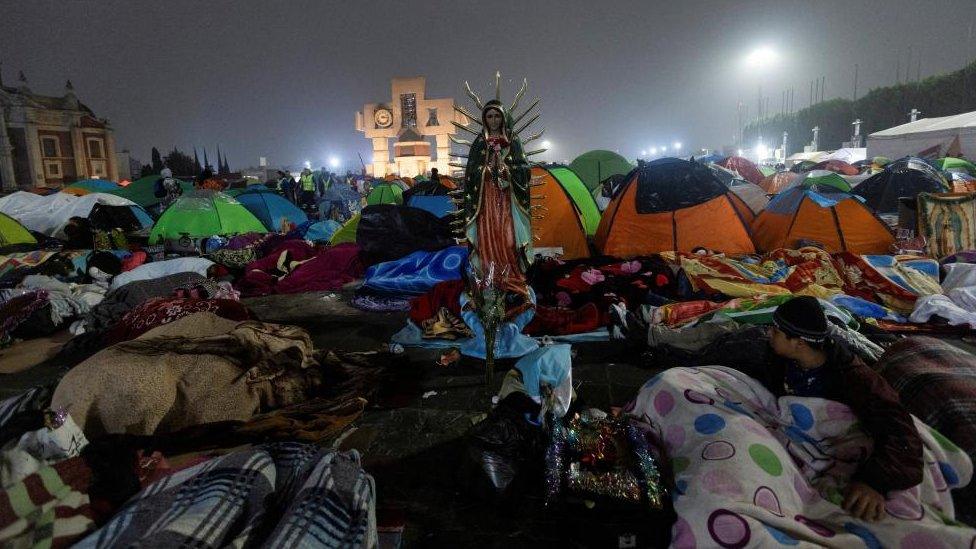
[677, 145]
[653, 151]
[762, 57]
[546, 144]
[643, 154]
[664, 149]
[308, 164]
[333, 162]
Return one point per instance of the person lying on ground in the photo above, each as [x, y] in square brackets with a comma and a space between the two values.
[807, 362]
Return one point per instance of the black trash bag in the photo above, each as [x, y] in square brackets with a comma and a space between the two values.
[387, 232]
[504, 451]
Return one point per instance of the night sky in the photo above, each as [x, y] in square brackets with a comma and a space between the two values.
[284, 79]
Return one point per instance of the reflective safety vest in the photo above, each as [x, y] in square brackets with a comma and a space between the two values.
[307, 183]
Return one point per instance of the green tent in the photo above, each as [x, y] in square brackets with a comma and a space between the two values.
[204, 213]
[952, 164]
[385, 193]
[142, 191]
[581, 196]
[767, 170]
[595, 166]
[12, 233]
[822, 178]
[346, 233]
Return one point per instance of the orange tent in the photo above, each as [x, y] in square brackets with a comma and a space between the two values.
[672, 204]
[77, 191]
[835, 220]
[775, 183]
[556, 222]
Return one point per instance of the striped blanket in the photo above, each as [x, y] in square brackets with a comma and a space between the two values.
[276, 495]
[937, 383]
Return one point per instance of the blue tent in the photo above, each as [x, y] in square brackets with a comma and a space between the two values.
[439, 205]
[713, 158]
[271, 209]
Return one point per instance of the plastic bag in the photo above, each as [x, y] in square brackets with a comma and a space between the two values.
[503, 449]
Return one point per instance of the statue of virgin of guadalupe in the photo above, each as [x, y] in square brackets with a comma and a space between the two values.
[497, 218]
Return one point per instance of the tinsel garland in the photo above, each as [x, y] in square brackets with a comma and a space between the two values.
[647, 466]
[588, 454]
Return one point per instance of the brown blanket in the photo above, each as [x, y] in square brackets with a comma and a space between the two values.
[199, 369]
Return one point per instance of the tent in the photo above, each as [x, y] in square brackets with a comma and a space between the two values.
[673, 204]
[94, 186]
[347, 233]
[142, 191]
[882, 190]
[713, 158]
[595, 166]
[49, 214]
[271, 209]
[439, 205]
[13, 233]
[803, 166]
[557, 221]
[743, 167]
[426, 187]
[204, 213]
[962, 183]
[836, 166]
[821, 178]
[753, 195]
[850, 155]
[767, 170]
[953, 164]
[750, 193]
[812, 214]
[385, 193]
[932, 136]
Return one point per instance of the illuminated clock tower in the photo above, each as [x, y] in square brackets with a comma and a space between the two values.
[410, 119]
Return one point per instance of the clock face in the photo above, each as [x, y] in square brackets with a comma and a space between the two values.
[383, 118]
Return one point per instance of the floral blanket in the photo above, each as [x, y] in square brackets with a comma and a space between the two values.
[805, 271]
[753, 470]
[895, 281]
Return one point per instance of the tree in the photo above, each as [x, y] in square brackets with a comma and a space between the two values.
[180, 163]
[146, 170]
[157, 161]
[197, 168]
[226, 166]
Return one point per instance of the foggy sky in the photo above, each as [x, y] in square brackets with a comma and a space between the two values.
[284, 79]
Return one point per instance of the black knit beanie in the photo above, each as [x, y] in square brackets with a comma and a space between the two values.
[802, 317]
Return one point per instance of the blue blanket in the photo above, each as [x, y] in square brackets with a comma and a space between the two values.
[417, 273]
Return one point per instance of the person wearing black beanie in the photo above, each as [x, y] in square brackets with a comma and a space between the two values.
[817, 366]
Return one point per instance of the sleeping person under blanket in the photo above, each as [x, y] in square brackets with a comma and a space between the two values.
[807, 362]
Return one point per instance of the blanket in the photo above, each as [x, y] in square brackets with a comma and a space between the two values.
[417, 273]
[808, 271]
[22, 260]
[121, 300]
[948, 223]
[159, 269]
[937, 383]
[276, 495]
[753, 470]
[163, 310]
[198, 369]
[894, 281]
[295, 267]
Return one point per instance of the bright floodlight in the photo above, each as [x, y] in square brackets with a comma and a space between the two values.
[761, 57]
[739, 153]
[762, 151]
[653, 150]
[643, 153]
[308, 164]
[333, 162]
[664, 149]
[546, 144]
[677, 145]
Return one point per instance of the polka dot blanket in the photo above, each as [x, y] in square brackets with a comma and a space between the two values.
[751, 470]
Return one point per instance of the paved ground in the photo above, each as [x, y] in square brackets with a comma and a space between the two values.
[413, 446]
